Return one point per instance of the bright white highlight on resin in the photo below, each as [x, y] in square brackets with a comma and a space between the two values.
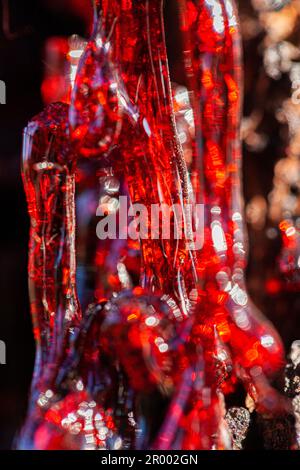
[218, 237]
[218, 20]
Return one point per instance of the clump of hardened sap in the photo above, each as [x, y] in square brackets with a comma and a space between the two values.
[172, 338]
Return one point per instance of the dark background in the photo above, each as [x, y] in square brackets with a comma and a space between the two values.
[22, 37]
[21, 68]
